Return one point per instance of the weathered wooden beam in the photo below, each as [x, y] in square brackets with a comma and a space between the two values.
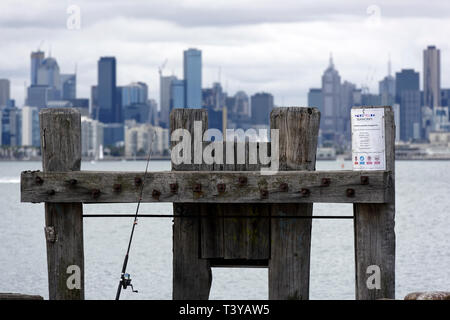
[61, 151]
[374, 232]
[289, 262]
[202, 187]
[19, 296]
[192, 277]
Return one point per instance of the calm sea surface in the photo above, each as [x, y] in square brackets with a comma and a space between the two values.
[422, 230]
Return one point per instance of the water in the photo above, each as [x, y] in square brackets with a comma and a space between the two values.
[422, 229]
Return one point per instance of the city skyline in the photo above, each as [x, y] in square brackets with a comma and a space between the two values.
[284, 55]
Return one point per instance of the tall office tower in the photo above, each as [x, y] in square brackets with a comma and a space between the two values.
[30, 126]
[36, 59]
[193, 78]
[108, 108]
[347, 102]
[262, 105]
[432, 77]
[387, 88]
[315, 98]
[4, 92]
[332, 124]
[408, 97]
[165, 84]
[241, 104]
[68, 86]
[48, 73]
[135, 92]
[177, 97]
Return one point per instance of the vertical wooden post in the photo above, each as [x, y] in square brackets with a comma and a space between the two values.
[291, 238]
[191, 275]
[374, 231]
[61, 151]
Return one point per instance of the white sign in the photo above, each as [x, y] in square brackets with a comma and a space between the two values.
[368, 141]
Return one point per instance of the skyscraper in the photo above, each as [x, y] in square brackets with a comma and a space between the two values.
[108, 110]
[68, 86]
[315, 98]
[165, 84]
[262, 105]
[193, 78]
[387, 88]
[408, 96]
[332, 124]
[432, 77]
[4, 92]
[177, 97]
[36, 59]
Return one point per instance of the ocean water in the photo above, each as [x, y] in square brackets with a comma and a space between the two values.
[422, 233]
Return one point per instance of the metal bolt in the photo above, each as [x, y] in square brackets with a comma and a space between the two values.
[197, 187]
[95, 193]
[305, 192]
[242, 181]
[117, 187]
[221, 187]
[51, 192]
[38, 180]
[174, 187]
[364, 180]
[284, 187]
[156, 194]
[137, 181]
[264, 193]
[325, 182]
[350, 193]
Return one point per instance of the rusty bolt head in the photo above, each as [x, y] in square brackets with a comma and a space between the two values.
[95, 193]
[325, 182]
[156, 193]
[51, 192]
[197, 187]
[174, 187]
[117, 187]
[364, 180]
[242, 181]
[284, 187]
[350, 192]
[305, 192]
[221, 187]
[38, 180]
[264, 193]
[137, 181]
[73, 182]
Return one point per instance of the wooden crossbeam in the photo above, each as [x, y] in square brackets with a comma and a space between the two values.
[207, 187]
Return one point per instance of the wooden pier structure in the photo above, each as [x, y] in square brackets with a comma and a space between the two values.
[225, 214]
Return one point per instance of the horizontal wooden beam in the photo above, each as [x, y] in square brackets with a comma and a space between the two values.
[207, 187]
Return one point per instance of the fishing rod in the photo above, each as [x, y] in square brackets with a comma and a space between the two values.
[125, 278]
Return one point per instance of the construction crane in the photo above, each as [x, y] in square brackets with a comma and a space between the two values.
[161, 67]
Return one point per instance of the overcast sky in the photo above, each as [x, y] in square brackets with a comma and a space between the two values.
[280, 46]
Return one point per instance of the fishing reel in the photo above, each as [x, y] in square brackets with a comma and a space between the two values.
[125, 280]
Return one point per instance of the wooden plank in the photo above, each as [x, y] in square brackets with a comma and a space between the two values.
[291, 238]
[80, 186]
[374, 231]
[191, 276]
[61, 151]
[246, 239]
[19, 296]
